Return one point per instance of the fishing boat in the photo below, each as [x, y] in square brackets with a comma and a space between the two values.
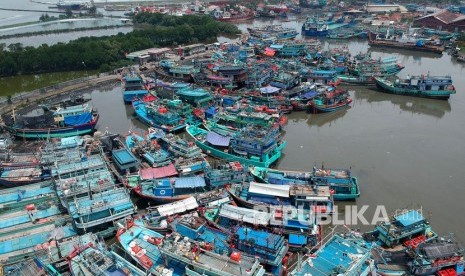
[196, 97]
[142, 245]
[63, 122]
[234, 16]
[227, 173]
[343, 254]
[330, 101]
[94, 261]
[158, 116]
[16, 197]
[134, 87]
[433, 87]
[407, 245]
[404, 42]
[277, 31]
[194, 257]
[19, 160]
[344, 185]
[368, 67]
[167, 190]
[20, 243]
[314, 26]
[191, 166]
[270, 249]
[249, 146]
[18, 177]
[298, 230]
[313, 199]
[357, 80]
[180, 147]
[157, 218]
[149, 149]
[402, 227]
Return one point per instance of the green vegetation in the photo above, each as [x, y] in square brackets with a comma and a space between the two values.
[108, 52]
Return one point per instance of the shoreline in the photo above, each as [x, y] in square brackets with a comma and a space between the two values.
[78, 86]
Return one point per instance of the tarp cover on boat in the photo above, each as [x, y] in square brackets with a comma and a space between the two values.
[409, 218]
[269, 189]
[217, 140]
[244, 214]
[189, 182]
[161, 172]
[178, 207]
[269, 89]
[310, 94]
[75, 120]
[439, 251]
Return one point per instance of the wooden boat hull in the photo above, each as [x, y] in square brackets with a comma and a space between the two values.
[11, 183]
[431, 94]
[59, 132]
[158, 200]
[230, 157]
[142, 116]
[329, 108]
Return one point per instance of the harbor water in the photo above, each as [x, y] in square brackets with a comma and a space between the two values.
[406, 152]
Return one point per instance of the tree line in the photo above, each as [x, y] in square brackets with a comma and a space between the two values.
[90, 53]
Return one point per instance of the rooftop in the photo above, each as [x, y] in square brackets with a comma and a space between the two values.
[446, 16]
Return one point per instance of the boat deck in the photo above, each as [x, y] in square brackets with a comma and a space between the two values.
[338, 256]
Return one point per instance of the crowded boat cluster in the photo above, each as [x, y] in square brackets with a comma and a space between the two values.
[214, 117]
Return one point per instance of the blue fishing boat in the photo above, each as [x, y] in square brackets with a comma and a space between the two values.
[19, 243]
[142, 245]
[196, 97]
[158, 116]
[166, 190]
[249, 146]
[344, 185]
[330, 101]
[94, 260]
[180, 147]
[406, 245]
[314, 26]
[63, 122]
[342, 254]
[403, 227]
[227, 173]
[270, 248]
[89, 193]
[319, 76]
[134, 87]
[21, 196]
[298, 230]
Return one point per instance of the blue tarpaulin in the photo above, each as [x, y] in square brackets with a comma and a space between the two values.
[75, 120]
[310, 94]
[217, 140]
[190, 182]
[297, 239]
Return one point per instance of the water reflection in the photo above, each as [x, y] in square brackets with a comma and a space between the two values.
[320, 120]
[435, 108]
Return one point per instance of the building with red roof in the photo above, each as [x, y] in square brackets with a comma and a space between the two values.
[444, 20]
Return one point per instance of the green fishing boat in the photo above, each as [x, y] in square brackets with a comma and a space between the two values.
[250, 146]
[419, 86]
